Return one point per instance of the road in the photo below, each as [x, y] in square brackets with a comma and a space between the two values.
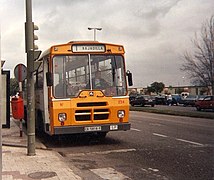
[157, 147]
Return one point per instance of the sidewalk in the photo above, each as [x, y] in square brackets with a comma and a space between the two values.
[16, 165]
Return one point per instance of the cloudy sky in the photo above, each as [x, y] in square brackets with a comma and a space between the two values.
[155, 33]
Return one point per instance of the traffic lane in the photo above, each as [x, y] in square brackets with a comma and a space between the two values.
[197, 130]
[142, 154]
[180, 158]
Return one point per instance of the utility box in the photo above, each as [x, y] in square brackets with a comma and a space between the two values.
[17, 107]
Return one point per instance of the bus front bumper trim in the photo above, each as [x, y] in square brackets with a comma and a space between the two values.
[92, 128]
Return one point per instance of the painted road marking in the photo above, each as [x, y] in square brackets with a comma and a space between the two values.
[191, 142]
[109, 173]
[154, 170]
[104, 152]
[155, 124]
[160, 135]
[133, 129]
[182, 140]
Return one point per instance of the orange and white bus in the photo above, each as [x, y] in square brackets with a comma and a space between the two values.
[67, 101]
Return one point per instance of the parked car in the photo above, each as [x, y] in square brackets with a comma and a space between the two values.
[160, 100]
[201, 97]
[205, 103]
[176, 99]
[143, 100]
[132, 97]
[189, 100]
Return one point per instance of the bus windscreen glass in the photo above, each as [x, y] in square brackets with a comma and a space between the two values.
[73, 73]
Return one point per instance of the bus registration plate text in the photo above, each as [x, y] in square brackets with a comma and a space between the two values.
[113, 127]
[93, 128]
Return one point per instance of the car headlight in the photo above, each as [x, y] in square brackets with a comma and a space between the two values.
[121, 114]
[62, 117]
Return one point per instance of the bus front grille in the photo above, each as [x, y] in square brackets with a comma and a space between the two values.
[92, 114]
[89, 104]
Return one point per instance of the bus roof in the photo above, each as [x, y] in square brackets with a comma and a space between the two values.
[108, 45]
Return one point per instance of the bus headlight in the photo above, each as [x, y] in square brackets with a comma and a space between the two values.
[121, 114]
[62, 117]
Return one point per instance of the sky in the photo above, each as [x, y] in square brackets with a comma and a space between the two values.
[154, 33]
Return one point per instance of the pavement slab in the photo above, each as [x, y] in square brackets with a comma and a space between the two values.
[17, 165]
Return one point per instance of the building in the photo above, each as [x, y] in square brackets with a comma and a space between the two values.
[193, 90]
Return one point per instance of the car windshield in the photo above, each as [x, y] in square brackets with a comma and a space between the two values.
[191, 97]
[146, 96]
[201, 97]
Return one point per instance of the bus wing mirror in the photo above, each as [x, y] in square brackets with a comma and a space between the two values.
[129, 74]
[49, 79]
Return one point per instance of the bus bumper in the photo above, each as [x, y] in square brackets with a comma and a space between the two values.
[92, 128]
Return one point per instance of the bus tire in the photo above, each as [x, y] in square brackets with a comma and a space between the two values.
[100, 135]
[39, 119]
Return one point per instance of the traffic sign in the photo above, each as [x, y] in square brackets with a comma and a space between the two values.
[20, 72]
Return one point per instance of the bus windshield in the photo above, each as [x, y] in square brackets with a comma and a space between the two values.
[73, 73]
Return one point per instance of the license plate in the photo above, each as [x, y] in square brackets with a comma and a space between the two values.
[113, 127]
[92, 128]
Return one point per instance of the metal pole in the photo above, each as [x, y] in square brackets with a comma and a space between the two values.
[30, 80]
[0, 116]
[94, 29]
[94, 34]
[20, 94]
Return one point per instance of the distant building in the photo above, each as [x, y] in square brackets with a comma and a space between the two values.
[193, 90]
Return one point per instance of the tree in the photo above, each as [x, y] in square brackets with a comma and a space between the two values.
[199, 64]
[14, 86]
[156, 87]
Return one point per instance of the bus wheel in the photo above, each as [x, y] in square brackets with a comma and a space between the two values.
[100, 135]
[39, 119]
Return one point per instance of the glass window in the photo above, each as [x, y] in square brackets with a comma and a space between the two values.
[75, 73]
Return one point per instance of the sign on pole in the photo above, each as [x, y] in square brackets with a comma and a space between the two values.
[20, 72]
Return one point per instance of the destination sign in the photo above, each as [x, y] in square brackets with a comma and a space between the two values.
[88, 48]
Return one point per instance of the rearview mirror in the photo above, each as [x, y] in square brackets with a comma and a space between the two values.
[49, 79]
[129, 74]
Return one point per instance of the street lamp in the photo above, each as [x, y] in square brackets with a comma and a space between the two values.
[99, 29]
[183, 80]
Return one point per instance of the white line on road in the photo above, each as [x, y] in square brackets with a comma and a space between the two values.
[160, 135]
[191, 142]
[154, 170]
[133, 129]
[103, 152]
[109, 173]
[155, 124]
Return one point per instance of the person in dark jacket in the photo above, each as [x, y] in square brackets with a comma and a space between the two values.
[98, 82]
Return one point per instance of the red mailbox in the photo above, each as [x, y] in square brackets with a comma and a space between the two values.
[17, 108]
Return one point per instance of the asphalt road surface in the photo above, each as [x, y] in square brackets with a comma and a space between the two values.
[158, 146]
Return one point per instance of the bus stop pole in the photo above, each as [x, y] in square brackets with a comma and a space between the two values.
[20, 122]
[0, 115]
[30, 80]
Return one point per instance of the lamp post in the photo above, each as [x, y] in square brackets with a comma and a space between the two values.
[94, 29]
[0, 114]
[183, 80]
